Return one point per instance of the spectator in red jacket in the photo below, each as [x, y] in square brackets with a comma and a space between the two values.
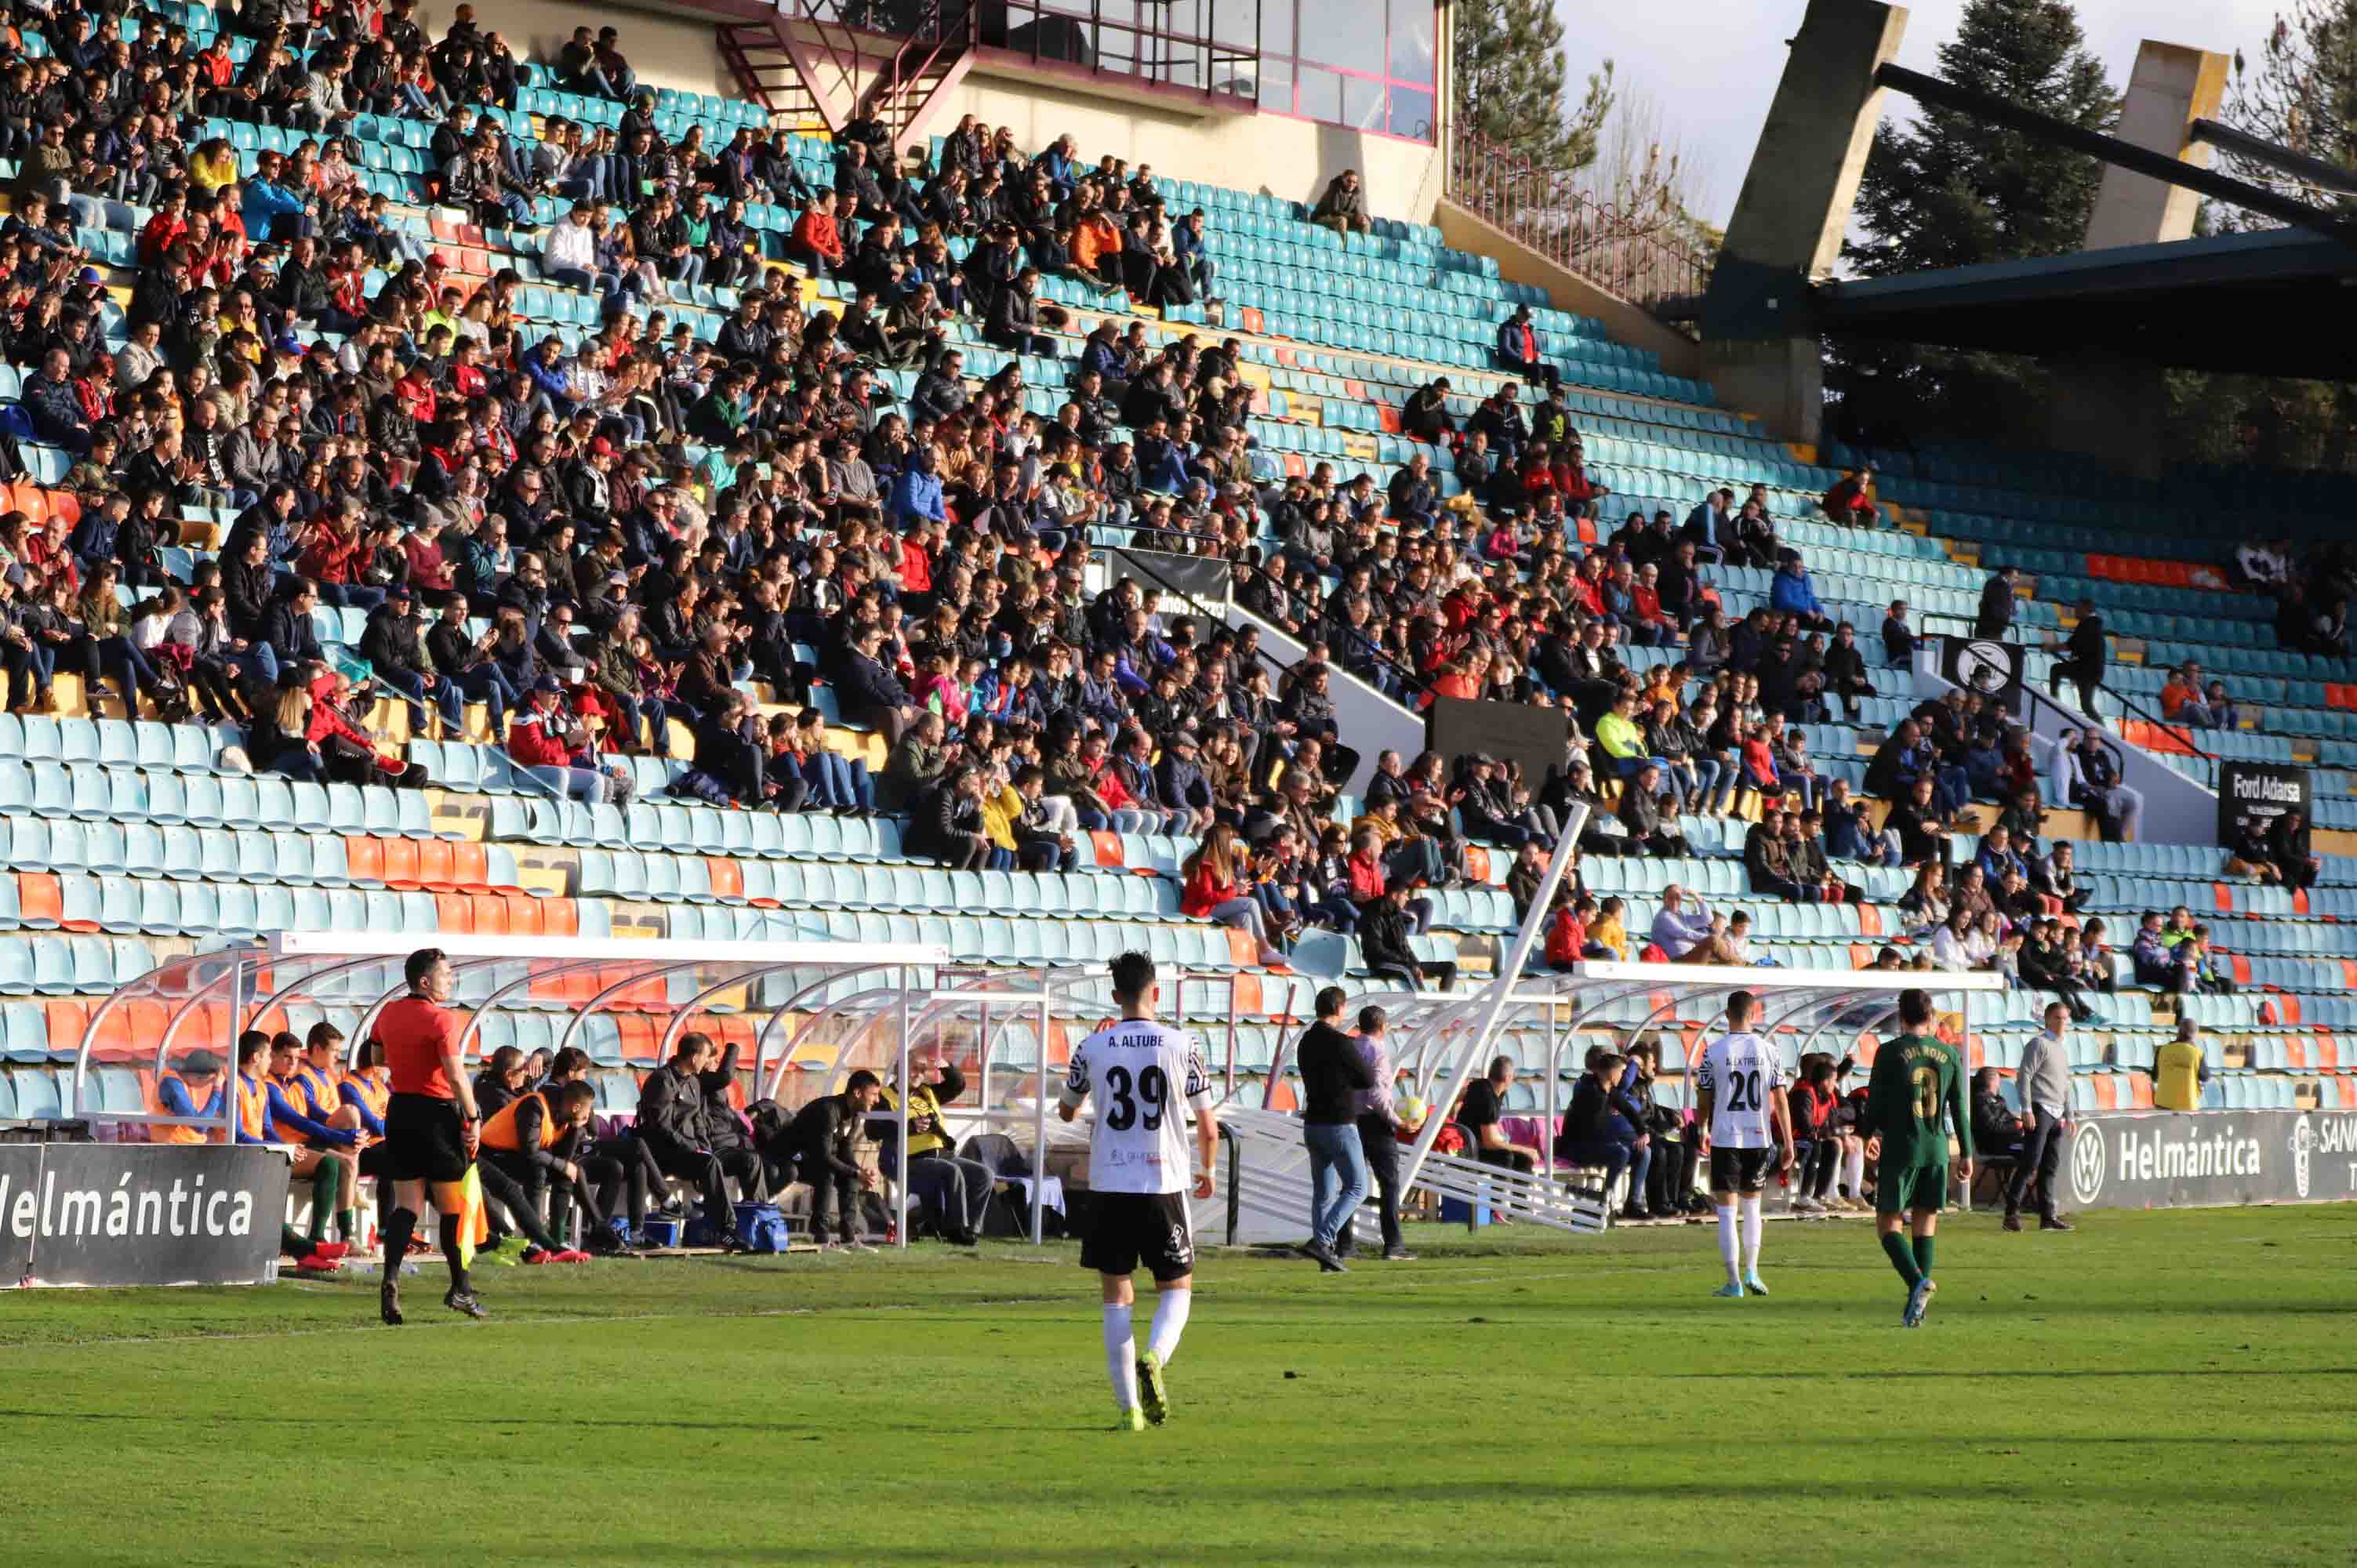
[1566, 937]
[816, 242]
[1580, 493]
[1214, 890]
[542, 742]
[1851, 503]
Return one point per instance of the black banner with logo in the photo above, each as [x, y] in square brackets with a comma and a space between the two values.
[2253, 794]
[1505, 732]
[140, 1214]
[1985, 665]
[2172, 1159]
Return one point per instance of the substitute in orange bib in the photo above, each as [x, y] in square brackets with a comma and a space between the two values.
[367, 1090]
[252, 1091]
[536, 1139]
[430, 1127]
[319, 1073]
[512, 1215]
[193, 1089]
[295, 1119]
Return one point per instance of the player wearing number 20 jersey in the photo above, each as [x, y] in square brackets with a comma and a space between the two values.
[1739, 1094]
[1744, 1077]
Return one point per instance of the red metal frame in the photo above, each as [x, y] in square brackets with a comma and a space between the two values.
[1633, 258]
[1296, 62]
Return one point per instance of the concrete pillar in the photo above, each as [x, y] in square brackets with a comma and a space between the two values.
[2171, 87]
[1760, 340]
[2112, 407]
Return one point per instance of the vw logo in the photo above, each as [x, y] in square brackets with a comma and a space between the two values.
[2087, 1164]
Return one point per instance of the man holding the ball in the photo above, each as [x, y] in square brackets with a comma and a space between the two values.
[1381, 1125]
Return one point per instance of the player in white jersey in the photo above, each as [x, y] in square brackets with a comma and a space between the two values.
[1746, 1130]
[1145, 1076]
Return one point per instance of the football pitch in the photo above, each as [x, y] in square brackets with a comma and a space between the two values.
[2152, 1389]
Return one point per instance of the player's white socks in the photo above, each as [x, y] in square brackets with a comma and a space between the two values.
[1751, 1222]
[1853, 1176]
[1727, 1243]
[1169, 1322]
[1121, 1357]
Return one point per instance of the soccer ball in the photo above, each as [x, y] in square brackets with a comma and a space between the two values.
[1412, 1111]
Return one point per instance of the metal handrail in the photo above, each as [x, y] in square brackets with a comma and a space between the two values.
[1409, 678]
[1543, 209]
[2168, 727]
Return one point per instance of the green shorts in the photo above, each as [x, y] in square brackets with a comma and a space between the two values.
[1904, 1189]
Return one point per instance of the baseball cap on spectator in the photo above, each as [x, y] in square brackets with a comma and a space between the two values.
[601, 447]
[547, 684]
[90, 275]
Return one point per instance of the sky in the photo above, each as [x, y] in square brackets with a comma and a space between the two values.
[1714, 64]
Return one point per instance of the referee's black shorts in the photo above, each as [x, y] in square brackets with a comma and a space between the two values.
[423, 1140]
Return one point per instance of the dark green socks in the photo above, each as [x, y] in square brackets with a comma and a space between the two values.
[1903, 1257]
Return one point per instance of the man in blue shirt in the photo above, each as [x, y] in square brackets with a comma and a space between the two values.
[1795, 594]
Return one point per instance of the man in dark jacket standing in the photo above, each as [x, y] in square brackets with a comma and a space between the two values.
[1995, 617]
[671, 1122]
[2089, 650]
[1379, 1134]
[1332, 1076]
[821, 1139]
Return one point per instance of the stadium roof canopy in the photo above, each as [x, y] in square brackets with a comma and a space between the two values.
[202, 1001]
[2274, 302]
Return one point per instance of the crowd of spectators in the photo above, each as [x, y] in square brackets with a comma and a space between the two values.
[393, 436]
[431, 458]
[2311, 590]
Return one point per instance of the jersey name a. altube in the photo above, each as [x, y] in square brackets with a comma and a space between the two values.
[1139, 1072]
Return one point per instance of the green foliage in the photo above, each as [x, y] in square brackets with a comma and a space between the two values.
[1948, 190]
[2303, 98]
[1510, 76]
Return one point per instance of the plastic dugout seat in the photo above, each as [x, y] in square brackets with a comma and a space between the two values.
[35, 1095]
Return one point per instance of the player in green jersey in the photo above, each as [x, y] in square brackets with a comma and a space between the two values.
[1917, 1076]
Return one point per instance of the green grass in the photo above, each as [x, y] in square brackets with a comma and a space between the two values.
[2149, 1389]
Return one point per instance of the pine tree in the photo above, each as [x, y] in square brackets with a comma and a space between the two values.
[1950, 189]
[2302, 97]
[1509, 72]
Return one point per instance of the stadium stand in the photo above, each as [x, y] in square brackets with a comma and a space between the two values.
[136, 831]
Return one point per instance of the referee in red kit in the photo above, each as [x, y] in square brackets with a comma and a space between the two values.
[431, 1126]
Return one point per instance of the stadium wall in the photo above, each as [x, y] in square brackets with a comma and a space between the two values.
[1270, 155]
[1626, 322]
[665, 50]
